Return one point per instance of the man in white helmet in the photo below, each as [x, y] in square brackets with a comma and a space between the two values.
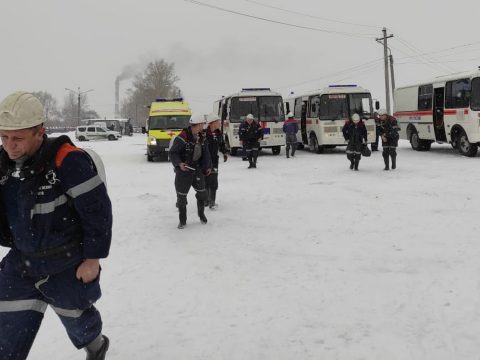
[191, 159]
[290, 128]
[56, 216]
[355, 132]
[250, 134]
[216, 144]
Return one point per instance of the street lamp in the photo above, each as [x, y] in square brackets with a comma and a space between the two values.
[79, 94]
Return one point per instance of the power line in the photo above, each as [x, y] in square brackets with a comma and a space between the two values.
[311, 16]
[439, 62]
[353, 35]
[419, 52]
[352, 70]
[444, 50]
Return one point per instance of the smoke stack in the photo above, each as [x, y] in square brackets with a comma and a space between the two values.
[117, 98]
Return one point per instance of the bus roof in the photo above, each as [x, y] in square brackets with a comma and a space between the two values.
[337, 89]
[159, 108]
[444, 78]
[254, 92]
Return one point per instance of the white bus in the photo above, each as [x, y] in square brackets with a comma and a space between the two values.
[443, 110]
[322, 114]
[264, 104]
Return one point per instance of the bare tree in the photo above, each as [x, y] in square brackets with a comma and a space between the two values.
[53, 116]
[157, 80]
[70, 109]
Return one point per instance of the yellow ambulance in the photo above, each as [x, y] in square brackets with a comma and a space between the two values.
[166, 119]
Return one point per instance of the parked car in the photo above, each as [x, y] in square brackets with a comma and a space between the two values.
[85, 133]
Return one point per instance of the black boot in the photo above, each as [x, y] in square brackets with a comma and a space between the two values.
[294, 147]
[201, 211]
[213, 195]
[182, 215]
[352, 163]
[250, 161]
[385, 160]
[100, 353]
[255, 159]
[394, 162]
[357, 161]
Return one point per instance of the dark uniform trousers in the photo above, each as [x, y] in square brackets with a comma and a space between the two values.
[24, 300]
[184, 180]
[212, 186]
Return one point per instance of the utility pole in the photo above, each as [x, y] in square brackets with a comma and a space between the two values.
[79, 94]
[392, 73]
[78, 110]
[385, 55]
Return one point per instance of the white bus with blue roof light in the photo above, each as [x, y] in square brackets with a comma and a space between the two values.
[321, 115]
[267, 108]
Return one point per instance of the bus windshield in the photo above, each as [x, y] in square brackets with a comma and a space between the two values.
[264, 108]
[168, 122]
[333, 107]
[271, 108]
[343, 106]
[475, 96]
[361, 104]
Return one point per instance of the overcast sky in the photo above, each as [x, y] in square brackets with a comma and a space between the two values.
[53, 44]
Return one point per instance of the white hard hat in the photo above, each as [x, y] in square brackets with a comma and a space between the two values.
[290, 115]
[212, 117]
[355, 117]
[197, 119]
[381, 112]
[20, 110]
[250, 117]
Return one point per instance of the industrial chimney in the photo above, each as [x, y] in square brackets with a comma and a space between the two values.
[117, 98]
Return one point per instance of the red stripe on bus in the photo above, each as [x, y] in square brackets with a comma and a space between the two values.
[413, 113]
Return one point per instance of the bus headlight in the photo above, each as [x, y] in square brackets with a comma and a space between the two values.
[152, 141]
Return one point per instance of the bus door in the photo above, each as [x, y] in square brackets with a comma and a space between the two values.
[303, 122]
[438, 109]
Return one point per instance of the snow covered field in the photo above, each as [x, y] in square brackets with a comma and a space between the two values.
[304, 259]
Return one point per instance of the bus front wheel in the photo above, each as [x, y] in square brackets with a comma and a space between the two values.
[276, 150]
[465, 147]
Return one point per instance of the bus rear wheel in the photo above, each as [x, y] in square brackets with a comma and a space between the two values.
[276, 150]
[415, 141]
[313, 145]
[465, 147]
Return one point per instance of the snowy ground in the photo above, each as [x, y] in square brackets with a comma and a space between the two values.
[304, 259]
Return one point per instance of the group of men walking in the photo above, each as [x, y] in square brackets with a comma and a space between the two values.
[355, 132]
[195, 158]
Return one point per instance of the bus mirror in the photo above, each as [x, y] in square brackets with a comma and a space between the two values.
[377, 105]
[144, 130]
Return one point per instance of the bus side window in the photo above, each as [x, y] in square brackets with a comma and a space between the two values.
[457, 93]
[298, 108]
[425, 94]
[314, 106]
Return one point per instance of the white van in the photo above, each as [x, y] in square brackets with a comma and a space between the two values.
[85, 133]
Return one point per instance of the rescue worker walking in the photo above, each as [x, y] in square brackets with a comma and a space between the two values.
[389, 134]
[215, 144]
[290, 128]
[355, 132]
[191, 160]
[56, 217]
[250, 134]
